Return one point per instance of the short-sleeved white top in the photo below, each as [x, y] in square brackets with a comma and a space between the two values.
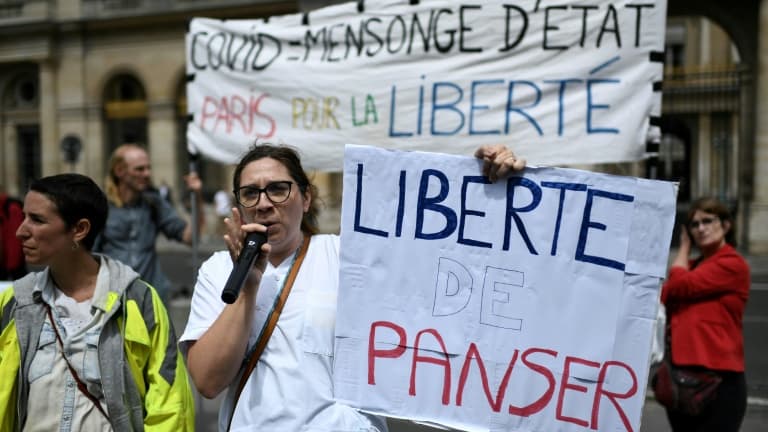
[291, 388]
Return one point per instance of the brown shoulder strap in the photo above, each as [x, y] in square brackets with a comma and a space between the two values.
[269, 326]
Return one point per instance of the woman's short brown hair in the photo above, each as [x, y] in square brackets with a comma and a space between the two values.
[718, 208]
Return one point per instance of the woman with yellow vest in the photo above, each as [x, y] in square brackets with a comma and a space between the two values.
[85, 345]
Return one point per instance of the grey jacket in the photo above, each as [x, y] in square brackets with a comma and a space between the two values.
[123, 400]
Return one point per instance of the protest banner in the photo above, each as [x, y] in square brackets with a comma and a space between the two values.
[526, 304]
[565, 82]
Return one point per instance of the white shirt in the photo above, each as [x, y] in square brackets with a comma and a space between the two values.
[291, 388]
[54, 402]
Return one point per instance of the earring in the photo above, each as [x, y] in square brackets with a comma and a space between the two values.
[75, 245]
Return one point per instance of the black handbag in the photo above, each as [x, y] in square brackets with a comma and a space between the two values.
[685, 389]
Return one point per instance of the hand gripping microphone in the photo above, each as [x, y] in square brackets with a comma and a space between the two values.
[251, 249]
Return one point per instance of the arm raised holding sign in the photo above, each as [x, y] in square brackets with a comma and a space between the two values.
[290, 387]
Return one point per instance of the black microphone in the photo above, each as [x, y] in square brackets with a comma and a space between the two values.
[252, 246]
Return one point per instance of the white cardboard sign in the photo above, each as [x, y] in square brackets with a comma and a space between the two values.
[526, 304]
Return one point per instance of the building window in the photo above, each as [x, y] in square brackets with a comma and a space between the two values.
[674, 50]
[19, 111]
[11, 8]
[125, 112]
[675, 55]
[22, 93]
[120, 4]
[28, 151]
[674, 159]
[722, 152]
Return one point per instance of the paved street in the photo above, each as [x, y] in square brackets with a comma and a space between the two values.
[179, 266]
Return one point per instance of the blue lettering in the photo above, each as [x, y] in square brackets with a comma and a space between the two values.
[400, 205]
[420, 116]
[474, 107]
[453, 288]
[512, 183]
[592, 106]
[392, 110]
[358, 206]
[586, 224]
[448, 106]
[465, 212]
[560, 103]
[450, 114]
[425, 203]
[519, 109]
[563, 187]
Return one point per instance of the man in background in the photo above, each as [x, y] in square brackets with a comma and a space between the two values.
[137, 214]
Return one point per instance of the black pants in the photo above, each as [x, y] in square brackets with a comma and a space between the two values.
[725, 412]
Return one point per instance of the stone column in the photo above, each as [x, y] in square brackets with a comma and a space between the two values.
[49, 122]
[162, 139]
[73, 89]
[758, 212]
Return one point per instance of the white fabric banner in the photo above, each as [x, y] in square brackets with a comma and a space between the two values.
[562, 82]
[527, 304]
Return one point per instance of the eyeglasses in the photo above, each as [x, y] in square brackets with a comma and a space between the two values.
[703, 222]
[277, 192]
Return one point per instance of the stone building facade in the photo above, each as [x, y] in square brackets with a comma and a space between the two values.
[100, 73]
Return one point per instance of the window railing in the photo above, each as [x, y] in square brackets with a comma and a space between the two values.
[125, 109]
[112, 8]
[121, 4]
[18, 11]
[12, 8]
[105, 8]
[703, 89]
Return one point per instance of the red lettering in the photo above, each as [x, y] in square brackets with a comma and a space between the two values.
[564, 385]
[473, 353]
[223, 115]
[541, 402]
[439, 356]
[239, 108]
[255, 111]
[444, 362]
[390, 353]
[205, 114]
[234, 112]
[611, 396]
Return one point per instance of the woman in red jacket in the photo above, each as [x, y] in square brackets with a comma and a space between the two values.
[705, 299]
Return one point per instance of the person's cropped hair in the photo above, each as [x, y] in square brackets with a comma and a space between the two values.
[76, 197]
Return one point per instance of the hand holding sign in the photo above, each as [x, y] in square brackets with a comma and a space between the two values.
[498, 161]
